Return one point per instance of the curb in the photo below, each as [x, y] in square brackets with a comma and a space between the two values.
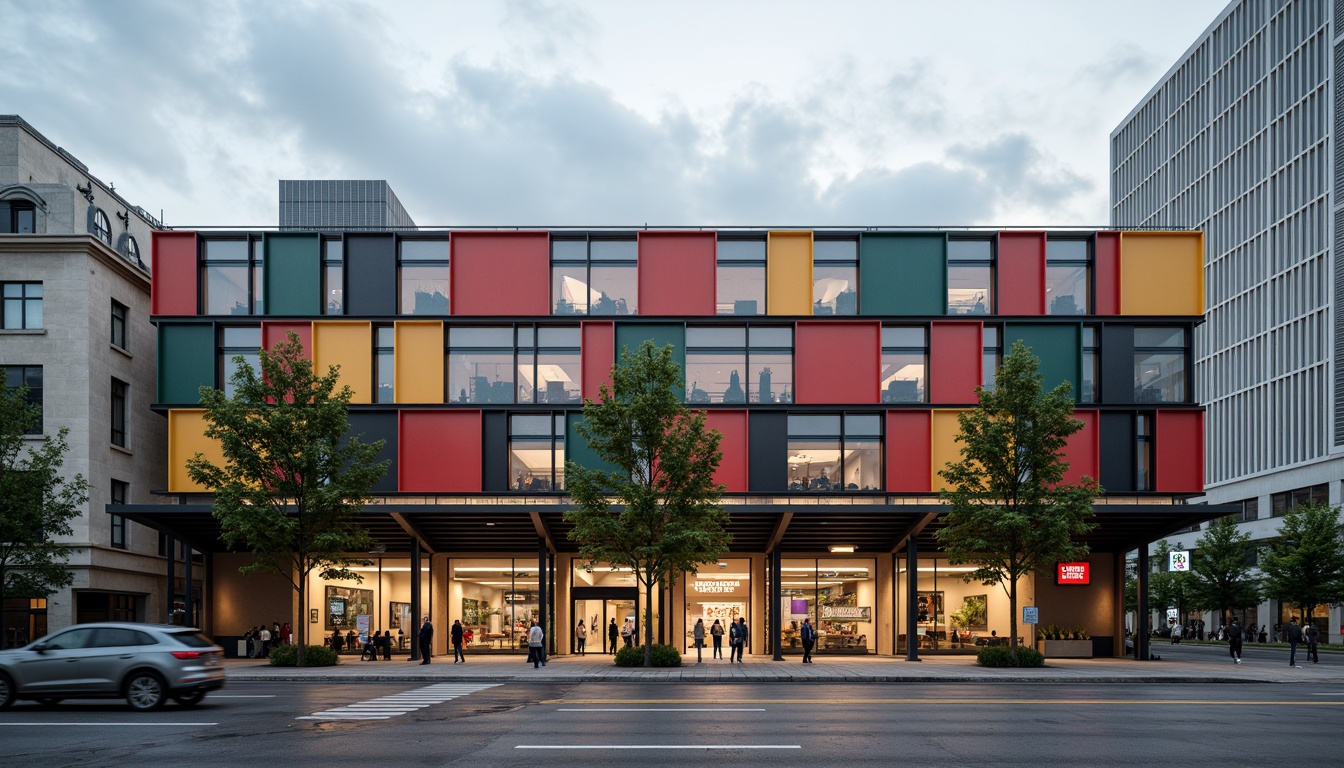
[923, 679]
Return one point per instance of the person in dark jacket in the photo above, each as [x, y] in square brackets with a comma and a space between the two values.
[1234, 640]
[1312, 635]
[426, 640]
[613, 632]
[808, 633]
[1294, 632]
[458, 655]
[742, 636]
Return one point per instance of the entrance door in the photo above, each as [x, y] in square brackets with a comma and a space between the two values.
[597, 608]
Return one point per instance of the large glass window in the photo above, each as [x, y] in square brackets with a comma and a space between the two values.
[549, 365]
[119, 410]
[102, 227]
[23, 306]
[17, 217]
[1143, 451]
[595, 277]
[717, 595]
[227, 277]
[258, 277]
[537, 452]
[835, 452]
[1285, 502]
[497, 600]
[119, 494]
[1068, 277]
[991, 356]
[384, 363]
[30, 376]
[422, 268]
[905, 363]
[1159, 365]
[1090, 391]
[119, 338]
[740, 277]
[951, 614]
[333, 277]
[480, 365]
[970, 277]
[835, 277]
[718, 357]
[838, 595]
[237, 345]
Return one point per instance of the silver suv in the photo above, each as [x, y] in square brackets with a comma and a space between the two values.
[145, 663]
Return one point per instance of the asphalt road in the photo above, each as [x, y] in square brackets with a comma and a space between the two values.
[1250, 654]
[523, 724]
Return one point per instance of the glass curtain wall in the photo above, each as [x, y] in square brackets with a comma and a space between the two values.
[835, 277]
[740, 280]
[839, 595]
[343, 613]
[719, 593]
[951, 615]
[496, 599]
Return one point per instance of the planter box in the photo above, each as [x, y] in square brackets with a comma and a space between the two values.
[1065, 649]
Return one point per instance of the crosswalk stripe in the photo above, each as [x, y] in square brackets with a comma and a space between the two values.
[386, 707]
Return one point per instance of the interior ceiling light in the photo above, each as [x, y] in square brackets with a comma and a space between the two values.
[842, 548]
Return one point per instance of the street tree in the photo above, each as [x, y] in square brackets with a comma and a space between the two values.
[1304, 565]
[37, 502]
[1221, 564]
[293, 480]
[656, 510]
[1011, 513]
[1167, 588]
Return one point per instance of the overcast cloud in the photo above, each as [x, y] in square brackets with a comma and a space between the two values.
[600, 113]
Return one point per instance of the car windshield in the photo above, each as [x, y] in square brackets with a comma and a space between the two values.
[191, 639]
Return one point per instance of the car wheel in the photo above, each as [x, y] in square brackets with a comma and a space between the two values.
[145, 691]
[49, 701]
[189, 699]
[6, 691]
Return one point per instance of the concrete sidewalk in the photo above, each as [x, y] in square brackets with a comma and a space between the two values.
[835, 669]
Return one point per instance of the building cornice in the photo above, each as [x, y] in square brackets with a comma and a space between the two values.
[88, 244]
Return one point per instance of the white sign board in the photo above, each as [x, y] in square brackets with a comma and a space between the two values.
[1179, 561]
[362, 627]
[1030, 614]
[1172, 613]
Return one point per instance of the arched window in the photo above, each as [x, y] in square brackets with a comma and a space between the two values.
[132, 249]
[102, 228]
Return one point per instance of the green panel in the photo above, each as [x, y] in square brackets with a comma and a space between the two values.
[631, 335]
[1058, 346]
[902, 274]
[186, 362]
[293, 270]
[576, 446]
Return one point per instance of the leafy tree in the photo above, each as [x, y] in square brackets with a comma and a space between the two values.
[669, 520]
[1011, 511]
[292, 481]
[1304, 566]
[1221, 565]
[36, 502]
[1168, 589]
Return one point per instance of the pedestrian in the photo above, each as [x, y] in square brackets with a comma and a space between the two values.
[1234, 640]
[250, 637]
[628, 633]
[742, 636]
[275, 635]
[612, 633]
[370, 649]
[337, 640]
[456, 633]
[1311, 634]
[426, 639]
[1263, 634]
[581, 638]
[387, 645]
[1294, 633]
[1277, 633]
[809, 636]
[265, 641]
[716, 632]
[699, 635]
[535, 645]
[1176, 633]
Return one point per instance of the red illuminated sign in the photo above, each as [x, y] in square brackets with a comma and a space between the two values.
[1073, 573]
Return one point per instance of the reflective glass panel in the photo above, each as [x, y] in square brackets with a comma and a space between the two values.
[814, 464]
[863, 425]
[258, 278]
[781, 338]
[527, 337]
[569, 250]
[1159, 378]
[570, 293]
[970, 250]
[530, 465]
[1159, 337]
[904, 336]
[384, 364]
[969, 289]
[1066, 289]
[617, 289]
[424, 290]
[424, 250]
[229, 365]
[835, 250]
[1066, 250]
[903, 377]
[567, 336]
[732, 337]
[863, 465]
[480, 377]
[525, 425]
[557, 378]
[715, 377]
[835, 289]
[613, 250]
[226, 290]
[770, 377]
[333, 279]
[226, 250]
[740, 289]
[490, 337]
[809, 424]
[741, 250]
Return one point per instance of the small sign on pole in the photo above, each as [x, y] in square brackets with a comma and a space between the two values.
[1030, 614]
[1179, 561]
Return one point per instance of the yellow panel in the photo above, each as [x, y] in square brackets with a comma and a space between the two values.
[186, 438]
[419, 368]
[788, 273]
[944, 448]
[349, 345]
[1162, 273]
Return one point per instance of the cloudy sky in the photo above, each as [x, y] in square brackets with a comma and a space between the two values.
[620, 112]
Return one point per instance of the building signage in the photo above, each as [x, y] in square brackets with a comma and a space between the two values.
[846, 613]
[1073, 573]
[715, 586]
[1030, 615]
[1179, 561]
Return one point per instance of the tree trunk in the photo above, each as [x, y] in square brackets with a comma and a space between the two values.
[300, 633]
[648, 618]
[1012, 618]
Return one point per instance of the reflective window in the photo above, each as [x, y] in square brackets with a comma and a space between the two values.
[384, 363]
[991, 357]
[423, 277]
[120, 492]
[119, 412]
[719, 357]
[258, 277]
[480, 365]
[228, 277]
[1143, 459]
[905, 364]
[1090, 391]
[23, 306]
[1159, 365]
[80, 637]
[119, 325]
[102, 228]
[1068, 277]
[595, 277]
[16, 217]
[740, 277]
[237, 345]
[835, 277]
[133, 250]
[970, 277]
[333, 277]
[828, 452]
[537, 452]
[549, 365]
[29, 376]
[837, 595]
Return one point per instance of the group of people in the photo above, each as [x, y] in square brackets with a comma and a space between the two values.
[261, 640]
[1294, 634]
[737, 639]
[376, 643]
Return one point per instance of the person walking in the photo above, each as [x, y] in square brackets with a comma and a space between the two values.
[1294, 633]
[265, 641]
[716, 632]
[426, 639]
[285, 633]
[456, 632]
[387, 645]
[1176, 633]
[1312, 635]
[1234, 640]
[809, 635]
[612, 633]
[628, 633]
[535, 652]
[581, 638]
[699, 635]
[742, 636]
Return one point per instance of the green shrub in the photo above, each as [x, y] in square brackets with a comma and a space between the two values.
[313, 656]
[1001, 656]
[1052, 632]
[1030, 657]
[630, 656]
[666, 656]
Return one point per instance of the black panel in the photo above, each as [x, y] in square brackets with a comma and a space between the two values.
[370, 274]
[1117, 452]
[495, 445]
[768, 452]
[375, 426]
[1117, 365]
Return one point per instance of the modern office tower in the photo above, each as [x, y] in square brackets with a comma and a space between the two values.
[834, 364]
[75, 328]
[1239, 140]
[340, 205]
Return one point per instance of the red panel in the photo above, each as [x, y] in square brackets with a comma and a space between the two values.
[599, 354]
[1021, 273]
[676, 273]
[500, 273]
[907, 448]
[173, 287]
[1107, 273]
[837, 363]
[1082, 450]
[439, 451]
[732, 470]
[1180, 451]
[955, 357]
[273, 333]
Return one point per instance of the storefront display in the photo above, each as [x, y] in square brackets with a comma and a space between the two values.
[837, 594]
[720, 593]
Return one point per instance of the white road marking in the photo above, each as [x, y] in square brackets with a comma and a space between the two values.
[659, 746]
[385, 707]
[243, 696]
[136, 725]
[664, 709]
